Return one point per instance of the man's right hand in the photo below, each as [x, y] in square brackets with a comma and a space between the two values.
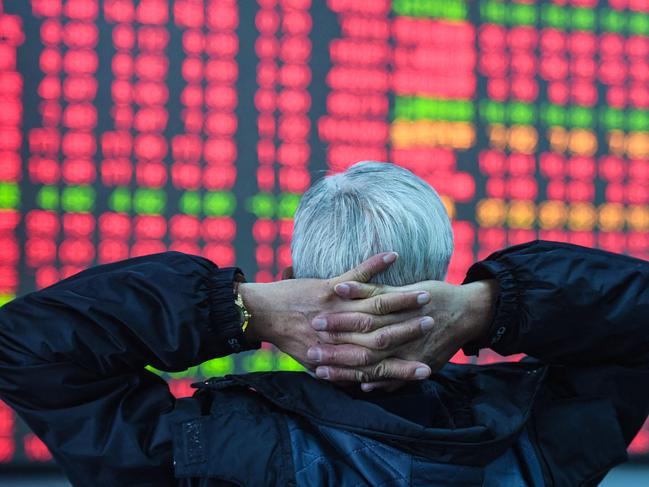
[373, 352]
[282, 314]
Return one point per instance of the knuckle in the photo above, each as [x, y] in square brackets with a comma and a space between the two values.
[379, 371]
[364, 358]
[334, 336]
[362, 275]
[329, 354]
[365, 324]
[377, 290]
[380, 305]
[382, 340]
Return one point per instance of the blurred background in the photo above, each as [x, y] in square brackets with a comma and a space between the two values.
[131, 127]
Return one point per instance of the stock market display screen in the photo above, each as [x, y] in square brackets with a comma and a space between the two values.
[132, 127]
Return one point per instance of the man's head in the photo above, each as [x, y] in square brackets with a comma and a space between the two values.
[370, 208]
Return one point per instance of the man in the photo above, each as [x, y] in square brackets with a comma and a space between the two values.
[72, 358]
[579, 311]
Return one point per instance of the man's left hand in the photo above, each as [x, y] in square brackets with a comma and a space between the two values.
[283, 311]
[378, 354]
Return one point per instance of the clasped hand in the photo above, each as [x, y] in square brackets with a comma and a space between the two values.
[348, 330]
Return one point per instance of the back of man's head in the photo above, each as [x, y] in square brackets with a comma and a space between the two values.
[370, 208]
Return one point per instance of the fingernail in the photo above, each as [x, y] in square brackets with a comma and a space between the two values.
[421, 372]
[426, 323]
[367, 387]
[322, 372]
[391, 257]
[319, 323]
[423, 298]
[314, 354]
[342, 289]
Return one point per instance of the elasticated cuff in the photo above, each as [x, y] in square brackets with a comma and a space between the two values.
[224, 318]
[503, 330]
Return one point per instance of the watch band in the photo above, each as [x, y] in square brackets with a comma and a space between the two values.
[245, 314]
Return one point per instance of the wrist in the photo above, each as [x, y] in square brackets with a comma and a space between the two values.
[254, 298]
[480, 299]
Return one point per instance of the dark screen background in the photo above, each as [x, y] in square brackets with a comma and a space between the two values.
[133, 127]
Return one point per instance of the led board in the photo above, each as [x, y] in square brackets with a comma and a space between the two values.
[133, 127]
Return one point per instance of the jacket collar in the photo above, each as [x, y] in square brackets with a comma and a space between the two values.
[495, 402]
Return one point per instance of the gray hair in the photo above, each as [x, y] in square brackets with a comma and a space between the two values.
[370, 208]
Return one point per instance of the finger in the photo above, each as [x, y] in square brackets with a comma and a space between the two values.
[367, 269]
[358, 290]
[360, 322]
[386, 385]
[343, 355]
[391, 368]
[390, 303]
[386, 338]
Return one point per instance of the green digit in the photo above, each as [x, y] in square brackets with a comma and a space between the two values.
[287, 205]
[639, 120]
[452, 110]
[612, 20]
[190, 203]
[418, 108]
[465, 111]
[149, 201]
[523, 14]
[217, 367]
[493, 112]
[612, 118]
[120, 200]
[493, 11]
[554, 115]
[583, 19]
[78, 199]
[418, 8]
[639, 23]
[581, 117]
[425, 108]
[454, 10]
[554, 16]
[261, 360]
[286, 362]
[522, 113]
[48, 198]
[262, 205]
[9, 195]
[398, 6]
[219, 203]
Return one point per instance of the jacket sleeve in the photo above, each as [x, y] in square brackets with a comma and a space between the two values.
[566, 304]
[583, 311]
[72, 360]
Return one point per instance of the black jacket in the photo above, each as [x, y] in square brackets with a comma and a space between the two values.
[72, 360]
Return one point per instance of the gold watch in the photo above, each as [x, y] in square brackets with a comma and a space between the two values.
[244, 314]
